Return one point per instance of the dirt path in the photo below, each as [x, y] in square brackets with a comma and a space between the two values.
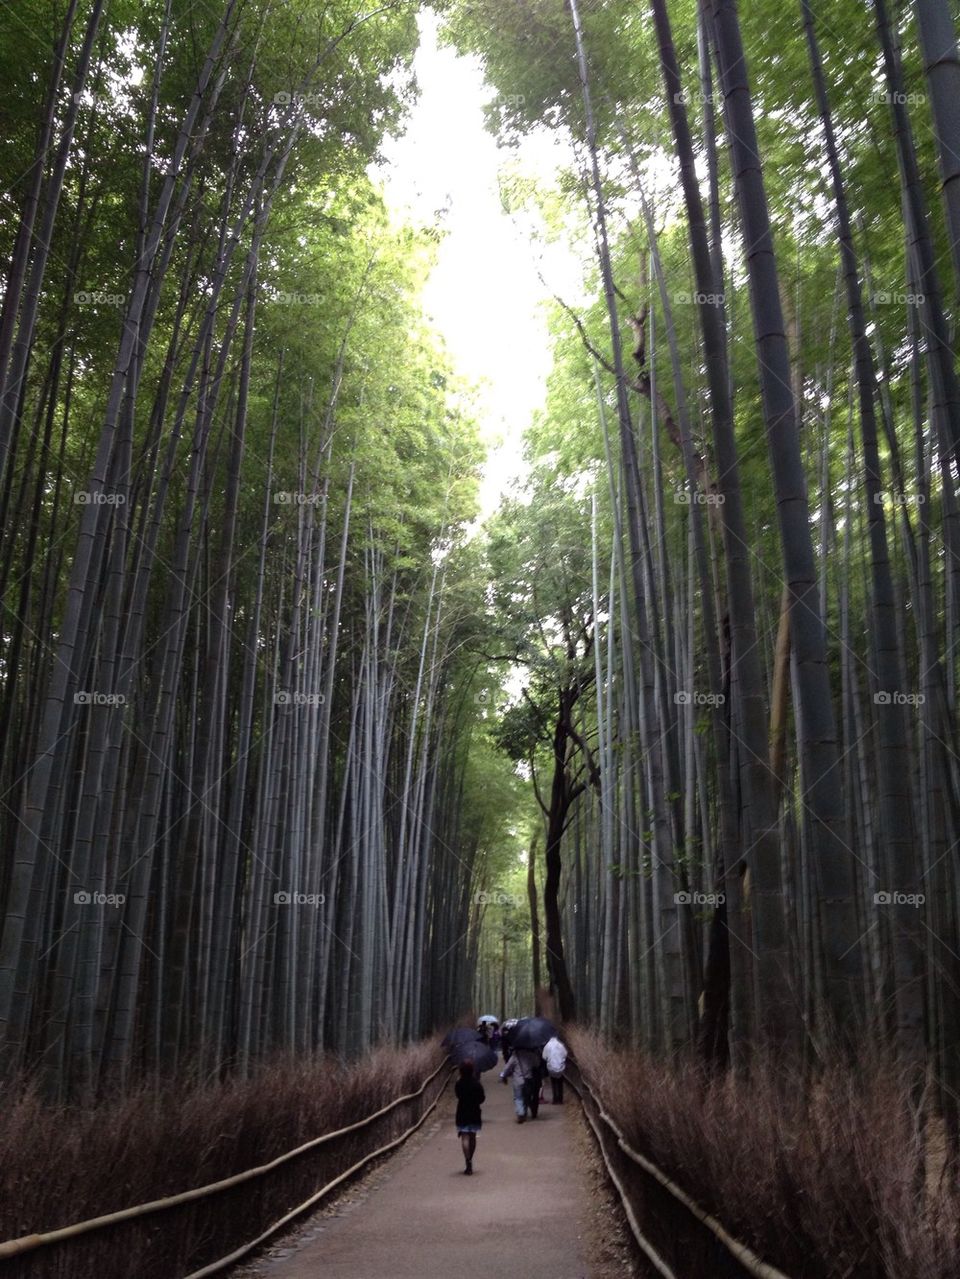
[522, 1213]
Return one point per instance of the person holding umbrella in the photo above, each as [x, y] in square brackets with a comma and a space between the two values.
[470, 1097]
[524, 1069]
[464, 1042]
[533, 1032]
[529, 1037]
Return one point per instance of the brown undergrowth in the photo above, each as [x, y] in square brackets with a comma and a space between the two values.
[826, 1179]
[65, 1164]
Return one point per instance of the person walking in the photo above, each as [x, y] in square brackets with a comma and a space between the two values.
[523, 1069]
[506, 1034]
[489, 1032]
[470, 1097]
[555, 1060]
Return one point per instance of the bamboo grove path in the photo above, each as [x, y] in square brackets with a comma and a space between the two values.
[519, 1214]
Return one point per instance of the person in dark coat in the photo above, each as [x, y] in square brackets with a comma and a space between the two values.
[470, 1097]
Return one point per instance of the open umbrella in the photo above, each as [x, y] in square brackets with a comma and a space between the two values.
[532, 1032]
[489, 1019]
[458, 1034]
[475, 1050]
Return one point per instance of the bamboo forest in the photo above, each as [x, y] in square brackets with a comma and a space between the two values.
[480, 544]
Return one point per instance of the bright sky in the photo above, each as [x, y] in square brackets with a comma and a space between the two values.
[484, 294]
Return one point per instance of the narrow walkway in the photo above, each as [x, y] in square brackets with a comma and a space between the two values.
[520, 1214]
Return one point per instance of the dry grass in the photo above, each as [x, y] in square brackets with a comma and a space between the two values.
[62, 1164]
[826, 1180]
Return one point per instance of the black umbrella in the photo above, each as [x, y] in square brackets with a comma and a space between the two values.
[475, 1050]
[457, 1035]
[532, 1032]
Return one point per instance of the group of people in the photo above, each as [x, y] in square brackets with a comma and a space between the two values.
[528, 1068]
[525, 1068]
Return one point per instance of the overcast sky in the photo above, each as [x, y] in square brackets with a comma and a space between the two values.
[484, 294]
